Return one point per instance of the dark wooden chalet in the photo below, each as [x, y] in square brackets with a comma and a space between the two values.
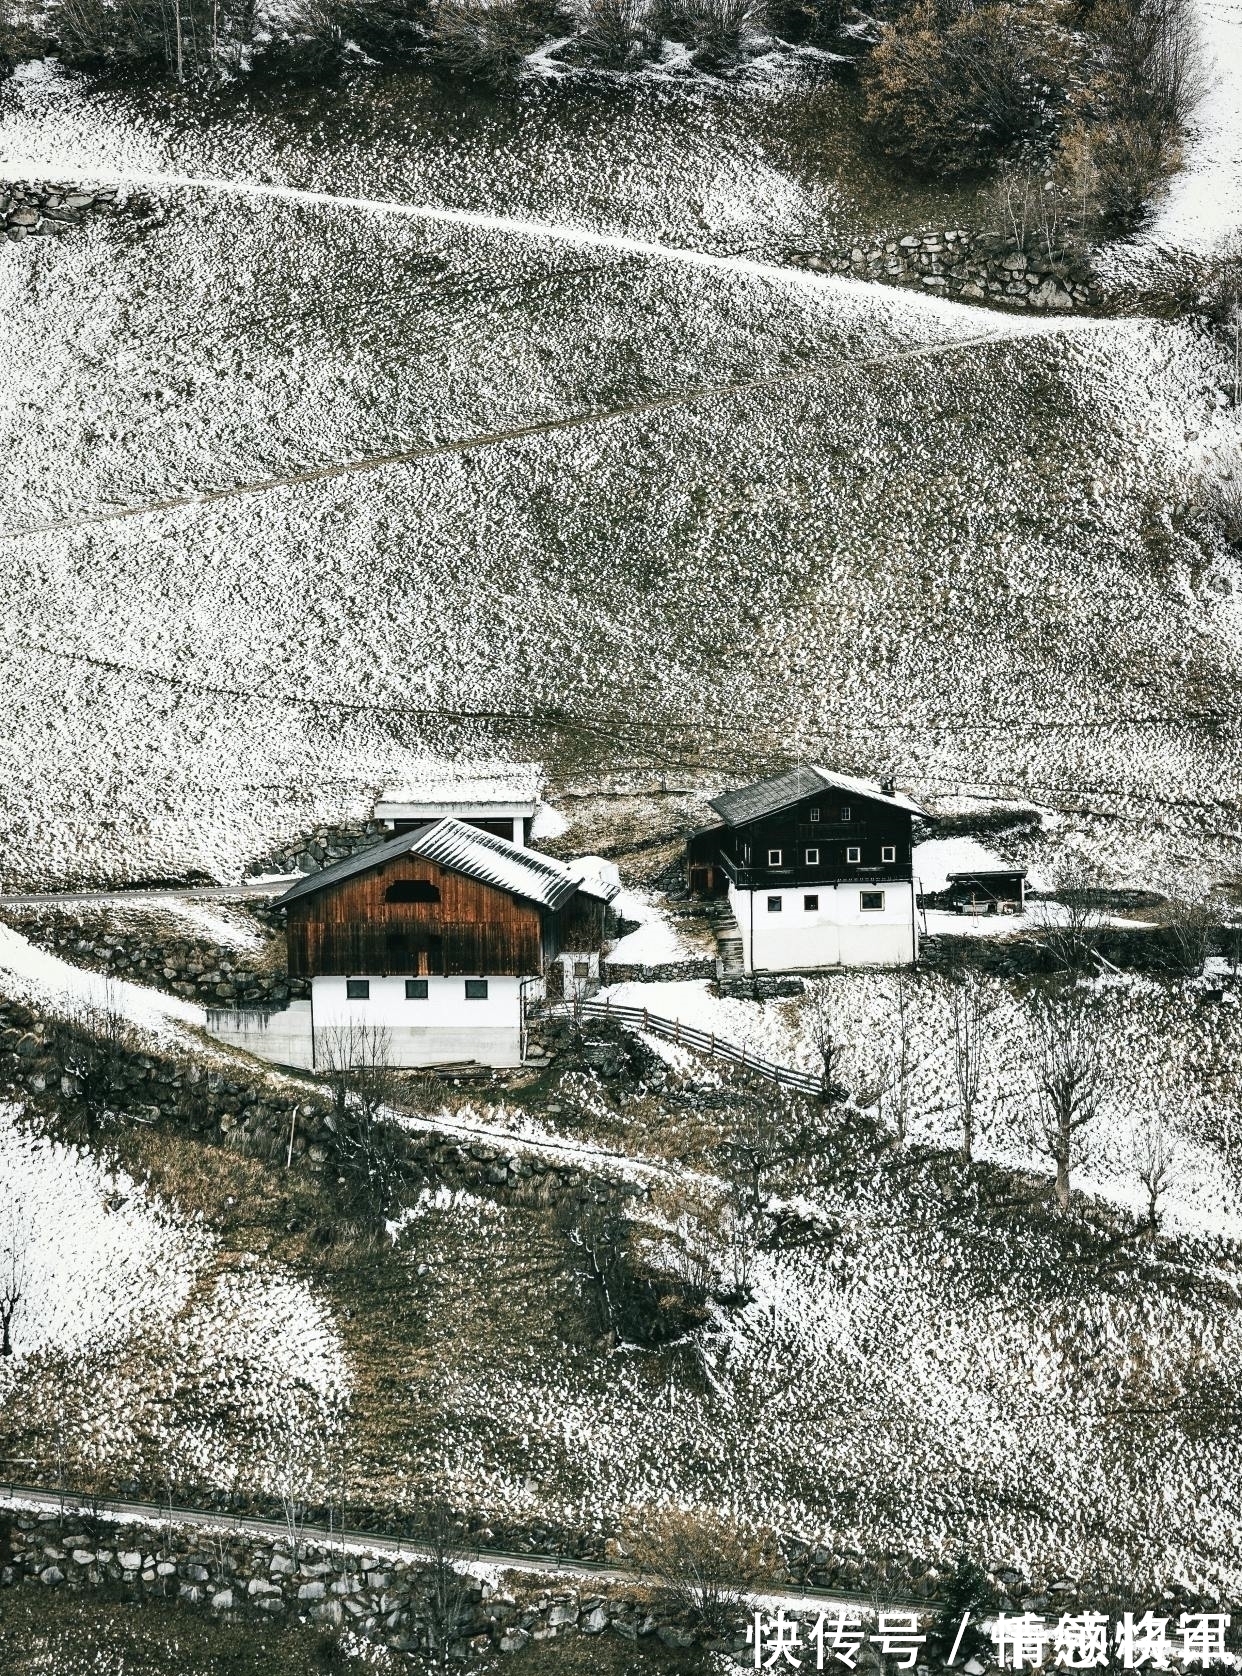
[804, 827]
[442, 901]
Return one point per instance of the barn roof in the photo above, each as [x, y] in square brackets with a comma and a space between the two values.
[462, 849]
[768, 797]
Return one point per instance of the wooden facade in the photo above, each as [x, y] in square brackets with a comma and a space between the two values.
[829, 837]
[412, 917]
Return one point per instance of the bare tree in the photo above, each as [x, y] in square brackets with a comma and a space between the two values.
[293, 1491]
[369, 1154]
[831, 1048]
[13, 1276]
[968, 1014]
[903, 1061]
[1070, 1080]
[442, 1584]
[1188, 923]
[1073, 922]
[703, 1562]
[1155, 1156]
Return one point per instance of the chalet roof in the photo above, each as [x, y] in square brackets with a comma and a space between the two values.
[768, 797]
[462, 849]
[438, 789]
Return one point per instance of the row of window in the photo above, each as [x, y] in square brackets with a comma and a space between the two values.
[870, 902]
[416, 989]
[844, 814]
[853, 855]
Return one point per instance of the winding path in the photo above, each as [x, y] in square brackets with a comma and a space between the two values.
[545, 427]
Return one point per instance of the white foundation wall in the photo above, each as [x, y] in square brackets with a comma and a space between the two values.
[840, 932]
[442, 1028]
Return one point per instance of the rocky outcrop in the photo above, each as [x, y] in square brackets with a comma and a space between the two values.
[972, 267]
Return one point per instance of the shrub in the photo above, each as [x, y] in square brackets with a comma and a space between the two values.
[614, 34]
[806, 22]
[704, 1564]
[717, 30]
[474, 40]
[317, 46]
[950, 98]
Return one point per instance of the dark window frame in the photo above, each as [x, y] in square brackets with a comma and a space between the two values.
[810, 904]
[357, 989]
[775, 904]
[417, 989]
[406, 891]
[476, 989]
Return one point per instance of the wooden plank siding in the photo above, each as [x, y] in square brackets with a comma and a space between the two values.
[474, 929]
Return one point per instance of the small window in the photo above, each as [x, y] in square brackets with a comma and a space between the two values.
[812, 858]
[871, 901]
[815, 813]
[888, 852]
[476, 989]
[774, 904]
[853, 854]
[357, 989]
[810, 904]
[845, 811]
[412, 890]
[774, 858]
[582, 968]
[416, 989]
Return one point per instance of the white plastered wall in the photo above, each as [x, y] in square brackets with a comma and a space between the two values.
[838, 932]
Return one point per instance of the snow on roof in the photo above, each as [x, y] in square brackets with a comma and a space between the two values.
[496, 783]
[596, 876]
[462, 849]
[936, 861]
[767, 797]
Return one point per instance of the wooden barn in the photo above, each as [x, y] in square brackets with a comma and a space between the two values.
[434, 938]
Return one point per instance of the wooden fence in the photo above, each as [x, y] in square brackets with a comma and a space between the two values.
[687, 1035]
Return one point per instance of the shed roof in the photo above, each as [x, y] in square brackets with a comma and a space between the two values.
[462, 849]
[768, 797]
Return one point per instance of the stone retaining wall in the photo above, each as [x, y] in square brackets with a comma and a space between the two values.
[321, 847]
[973, 267]
[669, 971]
[239, 1577]
[38, 209]
[146, 951]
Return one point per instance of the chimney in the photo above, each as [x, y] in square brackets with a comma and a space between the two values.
[889, 787]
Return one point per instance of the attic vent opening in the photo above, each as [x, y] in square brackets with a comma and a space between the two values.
[412, 890]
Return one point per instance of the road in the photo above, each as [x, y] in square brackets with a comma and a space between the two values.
[139, 893]
[31, 1498]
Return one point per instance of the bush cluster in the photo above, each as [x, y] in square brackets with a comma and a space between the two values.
[954, 89]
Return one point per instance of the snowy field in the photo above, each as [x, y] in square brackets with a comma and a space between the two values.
[268, 519]
[955, 527]
[139, 1343]
[915, 1372]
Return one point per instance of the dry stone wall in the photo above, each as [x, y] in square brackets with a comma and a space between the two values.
[146, 951]
[39, 209]
[241, 1576]
[972, 267]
